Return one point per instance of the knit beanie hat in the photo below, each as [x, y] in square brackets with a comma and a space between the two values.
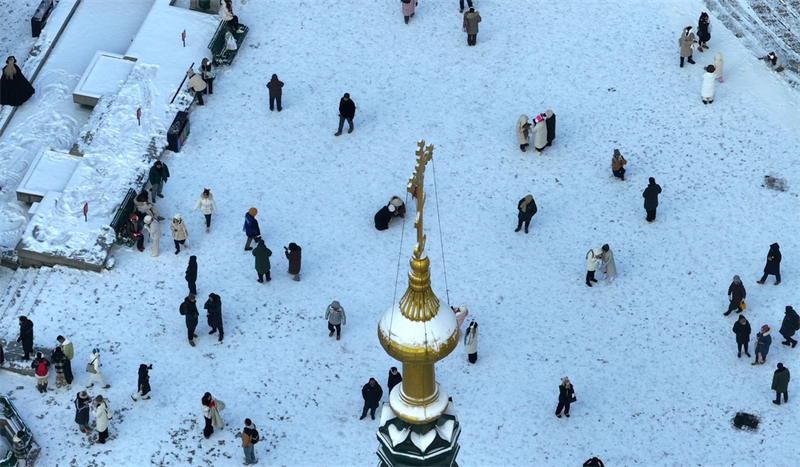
[177, 216]
[252, 211]
[736, 279]
[147, 219]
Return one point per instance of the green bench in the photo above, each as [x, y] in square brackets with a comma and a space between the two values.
[220, 55]
[121, 218]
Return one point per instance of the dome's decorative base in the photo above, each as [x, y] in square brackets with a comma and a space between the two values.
[405, 445]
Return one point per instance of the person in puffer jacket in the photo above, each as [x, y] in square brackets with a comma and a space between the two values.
[593, 258]
[207, 206]
[718, 63]
[523, 132]
[196, 86]
[336, 319]
[707, 92]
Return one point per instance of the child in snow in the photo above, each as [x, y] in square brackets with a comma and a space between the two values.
[40, 366]
[718, 66]
[707, 91]
[399, 207]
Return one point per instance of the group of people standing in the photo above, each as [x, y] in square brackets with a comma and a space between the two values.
[544, 131]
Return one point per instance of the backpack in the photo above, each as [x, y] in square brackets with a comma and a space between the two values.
[254, 436]
[41, 368]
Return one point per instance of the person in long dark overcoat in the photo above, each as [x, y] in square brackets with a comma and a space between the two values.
[790, 325]
[26, 336]
[262, 254]
[736, 294]
[383, 216]
[191, 275]
[551, 126]
[275, 87]
[294, 254]
[773, 265]
[650, 196]
[15, 89]
[742, 330]
[526, 208]
[143, 383]
[780, 384]
[214, 314]
[82, 403]
[372, 394]
[395, 378]
[189, 310]
[565, 394]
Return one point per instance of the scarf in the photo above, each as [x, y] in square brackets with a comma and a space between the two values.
[524, 206]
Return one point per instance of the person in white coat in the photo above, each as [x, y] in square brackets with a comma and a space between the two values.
[95, 371]
[154, 229]
[718, 66]
[608, 267]
[707, 92]
[593, 258]
[523, 132]
[207, 206]
[539, 134]
[471, 342]
[102, 415]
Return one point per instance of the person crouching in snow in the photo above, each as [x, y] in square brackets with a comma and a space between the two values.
[523, 132]
[399, 207]
[608, 268]
[143, 383]
[179, 233]
[707, 91]
[196, 86]
[383, 216]
[718, 66]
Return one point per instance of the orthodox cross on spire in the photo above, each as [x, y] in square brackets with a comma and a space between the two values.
[415, 187]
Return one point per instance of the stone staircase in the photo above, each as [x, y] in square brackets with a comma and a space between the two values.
[20, 296]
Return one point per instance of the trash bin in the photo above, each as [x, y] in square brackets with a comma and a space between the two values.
[178, 132]
[39, 18]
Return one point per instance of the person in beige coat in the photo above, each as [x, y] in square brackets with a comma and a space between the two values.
[143, 205]
[686, 41]
[179, 233]
[608, 267]
[196, 85]
[523, 132]
[207, 206]
[617, 165]
[155, 233]
[539, 133]
[718, 66]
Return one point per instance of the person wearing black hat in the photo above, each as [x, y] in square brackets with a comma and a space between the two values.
[790, 325]
[780, 384]
[650, 196]
[773, 266]
[347, 111]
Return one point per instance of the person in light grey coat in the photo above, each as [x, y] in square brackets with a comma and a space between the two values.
[336, 319]
[685, 42]
[471, 20]
[608, 267]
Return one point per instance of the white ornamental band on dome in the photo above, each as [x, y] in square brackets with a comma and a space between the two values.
[400, 330]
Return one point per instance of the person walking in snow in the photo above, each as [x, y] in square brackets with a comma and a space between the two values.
[650, 196]
[470, 26]
[566, 393]
[191, 275]
[102, 414]
[718, 64]
[262, 254]
[526, 208]
[211, 414]
[20, 448]
[196, 86]
[145, 207]
[82, 403]
[275, 87]
[618, 165]
[294, 254]
[95, 371]
[707, 91]
[523, 132]
[763, 342]
[207, 206]
[208, 73]
[780, 384]
[703, 31]
[179, 233]
[213, 308]
[686, 41]
[26, 336]
[336, 318]
[790, 325]
[461, 5]
[59, 360]
[250, 437]
[593, 462]
[226, 12]
[69, 352]
[736, 295]
[157, 177]
[608, 267]
[471, 342]
[251, 228]
[539, 134]
[143, 384]
[347, 111]
[593, 258]
[154, 229]
[408, 9]
[742, 330]
[40, 365]
[395, 378]
[773, 266]
[372, 394]
[135, 231]
[188, 309]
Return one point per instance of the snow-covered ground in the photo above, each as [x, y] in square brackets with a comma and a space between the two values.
[652, 358]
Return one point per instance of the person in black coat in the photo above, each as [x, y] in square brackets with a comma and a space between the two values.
[395, 378]
[214, 315]
[143, 384]
[526, 208]
[383, 216]
[82, 403]
[736, 294]
[191, 275]
[275, 91]
[347, 111]
[773, 265]
[372, 394]
[15, 89]
[650, 196]
[703, 31]
[135, 231]
[790, 325]
[189, 310]
[551, 126]
[26, 336]
[742, 330]
[565, 394]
